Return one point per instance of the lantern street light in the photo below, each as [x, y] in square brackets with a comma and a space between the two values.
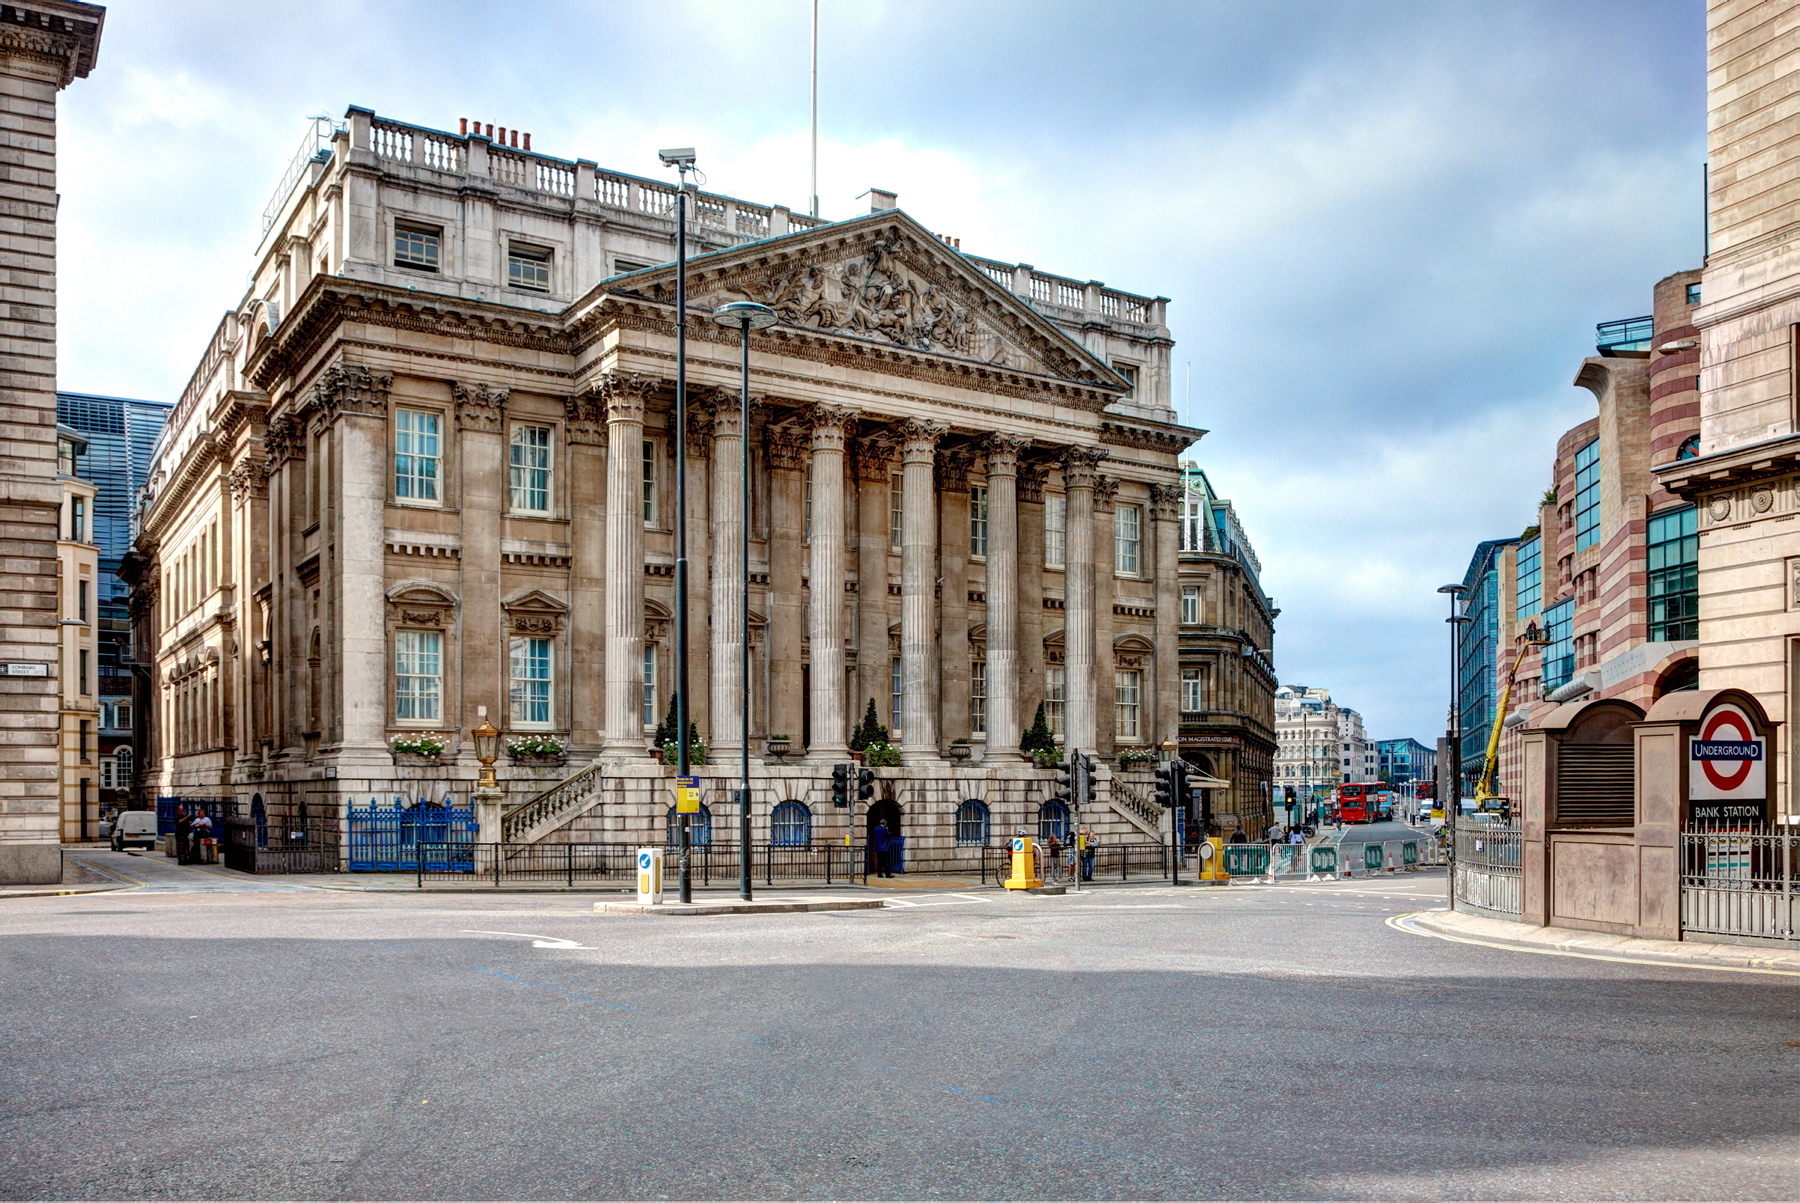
[744, 316]
[487, 748]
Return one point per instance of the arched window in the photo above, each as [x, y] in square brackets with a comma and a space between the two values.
[122, 769]
[790, 826]
[972, 822]
[699, 830]
[1053, 820]
[1690, 447]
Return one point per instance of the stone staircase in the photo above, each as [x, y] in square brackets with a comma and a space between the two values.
[1126, 799]
[539, 815]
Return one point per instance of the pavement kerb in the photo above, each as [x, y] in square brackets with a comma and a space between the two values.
[1599, 946]
[59, 891]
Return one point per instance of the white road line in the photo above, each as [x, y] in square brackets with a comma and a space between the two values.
[1404, 923]
[536, 941]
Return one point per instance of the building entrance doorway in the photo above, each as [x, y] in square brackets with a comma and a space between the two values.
[889, 810]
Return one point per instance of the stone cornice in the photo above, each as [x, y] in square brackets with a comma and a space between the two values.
[1170, 440]
[1769, 459]
[201, 458]
[62, 35]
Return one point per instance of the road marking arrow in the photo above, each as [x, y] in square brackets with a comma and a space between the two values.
[536, 941]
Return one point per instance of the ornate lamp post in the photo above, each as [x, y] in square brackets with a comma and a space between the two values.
[744, 316]
[487, 750]
[1452, 788]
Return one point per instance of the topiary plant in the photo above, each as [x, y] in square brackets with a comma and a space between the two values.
[869, 732]
[1038, 737]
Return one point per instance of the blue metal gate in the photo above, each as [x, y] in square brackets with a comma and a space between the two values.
[388, 837]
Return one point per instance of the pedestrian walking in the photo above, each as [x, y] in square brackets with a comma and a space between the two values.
[1054, 846]
[884, 847]
[182, 822]
[1088, 844]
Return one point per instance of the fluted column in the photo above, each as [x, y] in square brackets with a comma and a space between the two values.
[1106, 681]
[826, 611]
[728, 583]
[1003, 722]
[787, 447]
[874, 459]
[918, 592]
[1081, 724]
[625, 567]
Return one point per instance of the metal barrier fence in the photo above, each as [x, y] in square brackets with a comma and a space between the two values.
[570, 864]
[1739, 883]
[1111, 862]
[1487, 868]
[281, 845]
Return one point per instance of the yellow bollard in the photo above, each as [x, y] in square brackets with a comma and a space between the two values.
[1213, 867]
[1024, 865]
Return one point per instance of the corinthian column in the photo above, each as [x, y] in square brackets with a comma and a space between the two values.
[826, 618]
[1081, 725]
[918, 592]
[728, 582]
[625, 566]
[1003, 596]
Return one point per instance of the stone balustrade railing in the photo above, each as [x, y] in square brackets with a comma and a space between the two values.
[1058, 292]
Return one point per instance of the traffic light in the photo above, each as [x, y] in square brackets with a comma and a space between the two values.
[840, 785]
[865, 784]
[1064, 789]
[1168, 791]
[1184, 789]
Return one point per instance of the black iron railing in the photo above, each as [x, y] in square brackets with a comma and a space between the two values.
[581, 864]
[1110, 862]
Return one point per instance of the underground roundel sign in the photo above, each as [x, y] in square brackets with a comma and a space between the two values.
[1725, 761]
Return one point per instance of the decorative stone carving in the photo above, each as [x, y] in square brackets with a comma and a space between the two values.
[480, 408]
[1761, 499]
[919, 439]
[420, 603]
[1032, 476]
[1165, 500]
[535, 613]
[428, 618]
[953, 467]
[624, 394]
[1719, 508]
[63, 42]
[830, 424]
[875, 456]
[586, 423]
[1002, 450]
[788, 445]
[352, 389]
[247, 479]
[699, 426]
[1079, 466]
[1105, 489]
[281, 441]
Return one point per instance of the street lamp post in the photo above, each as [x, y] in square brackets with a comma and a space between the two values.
[745, 316]
[1453, 786]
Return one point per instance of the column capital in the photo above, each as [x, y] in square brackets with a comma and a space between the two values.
[1002, 453]
[347, 388]
[479, 407]
[282, 440]
[875, 456]
[1165, 500]
[1032, 475]
[624, 394]
[830, 424]
[727, 419]
[700, 419]
[787, 446]
[585, 425]
[919, 439]
[1079, 466]
[953, 466]
[1105, 489]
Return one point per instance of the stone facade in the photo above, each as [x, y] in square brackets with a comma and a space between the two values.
[427, 466]
[78, 658]
[1321, 745]
[44, 46]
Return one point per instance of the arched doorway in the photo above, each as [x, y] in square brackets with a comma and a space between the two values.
[882, 810]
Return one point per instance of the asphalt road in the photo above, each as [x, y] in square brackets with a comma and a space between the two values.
[1132, 1042]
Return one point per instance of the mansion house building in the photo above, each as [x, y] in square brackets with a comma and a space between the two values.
[425, 469]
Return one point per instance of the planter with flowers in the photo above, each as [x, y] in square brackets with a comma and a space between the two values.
[1135, 758]
[537, 751]
[423, 748]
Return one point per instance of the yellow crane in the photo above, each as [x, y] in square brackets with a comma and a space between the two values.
[1484, 788]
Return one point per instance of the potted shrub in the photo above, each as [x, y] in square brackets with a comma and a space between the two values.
[959, 749]
[671, 752]
[1047, 758]
[780, 745]
[868, 733]
[1134, 758]
[883, 756]
[537, 750]
[1038, 742]
[423, 747]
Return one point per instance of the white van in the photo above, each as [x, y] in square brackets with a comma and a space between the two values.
[134, 828]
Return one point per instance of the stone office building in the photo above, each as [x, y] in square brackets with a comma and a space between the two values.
[426, 466]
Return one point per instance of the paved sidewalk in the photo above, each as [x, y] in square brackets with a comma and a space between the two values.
[1699, 954]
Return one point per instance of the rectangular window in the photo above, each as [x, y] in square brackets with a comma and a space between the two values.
[894, 679]
[1130, 373]
[1559, 657]
[528, 267]
[623, 267]
[531, 676]
[1674, 580]
[978, 697]
[1693, 294]
[1193, 524]
[107, 776]
[1126, 699]
[1056, 531]
[81, 600]
[1128, 539]
[418, 675]
[1587, 495]
[649, 482]
[1193, 700]
[529, 469]
[416, 246]
[896, 509]
[82, 681]
[978, 521]
[86, 736]
[78, 520]
[649, 685]
[417, 455]
[1190, 605]
[1530, 593]
[1056, 696]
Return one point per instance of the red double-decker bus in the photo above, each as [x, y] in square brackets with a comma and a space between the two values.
[1356, 803]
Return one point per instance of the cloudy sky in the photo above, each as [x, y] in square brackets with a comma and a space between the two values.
[1388, 229]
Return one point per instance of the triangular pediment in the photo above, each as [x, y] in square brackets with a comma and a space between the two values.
[884, 279]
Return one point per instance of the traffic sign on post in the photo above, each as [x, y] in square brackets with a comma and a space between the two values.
[687, 795]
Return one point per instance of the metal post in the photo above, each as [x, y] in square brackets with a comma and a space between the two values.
[681, 549]
[1177, 821]
[1454, 785]
[744, 614]
[815, 108]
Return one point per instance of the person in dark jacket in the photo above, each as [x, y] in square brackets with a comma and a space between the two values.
[182, 822]
[884, 848]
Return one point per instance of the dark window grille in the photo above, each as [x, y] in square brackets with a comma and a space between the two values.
[790, 825]
[699, 830]
[1053, 820]
[972, 822]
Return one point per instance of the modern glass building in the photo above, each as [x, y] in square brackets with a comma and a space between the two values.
[1475, 688]
[121, 434]
[1403, 763]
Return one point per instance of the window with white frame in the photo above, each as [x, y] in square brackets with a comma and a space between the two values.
[1127, 684]
[529, 469]
[978, 697]
[1130, 373]
[978, 521]
[418, 454]
[1128, 539]
[418, 676]
[649, 685]
[894, 680]
[1056, 531]
[1056, 696]
[528, 267]
[896, 509]
[106, 773]
[533, 668]
[1193, 524]
[1193, 692]
[1190, 605]
[417, 246]
[649, 482]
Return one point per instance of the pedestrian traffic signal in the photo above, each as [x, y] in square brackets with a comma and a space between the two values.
[1167, 791]
[865, 784]
[840, 785]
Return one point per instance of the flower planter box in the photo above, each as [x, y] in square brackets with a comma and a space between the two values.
[550, 760]
[417, 760]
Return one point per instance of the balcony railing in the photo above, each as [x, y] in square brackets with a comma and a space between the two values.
[1628, 334]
